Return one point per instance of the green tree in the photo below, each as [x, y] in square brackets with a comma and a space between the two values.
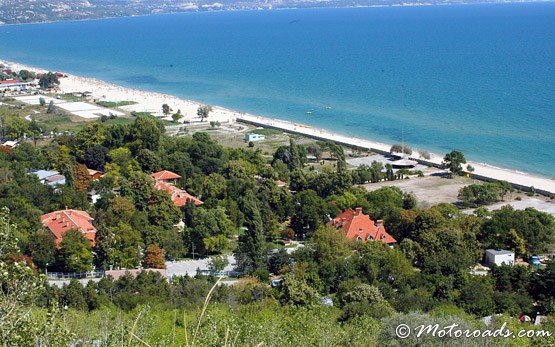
[42, 249]
[165, 109]
[250, 254]
[309, 212]
[149, 160]
[73, 295]
[146, 132]
[177, 116]
[139, 187]
[543, 287]
[161, 210]
[329, 244]
[16, 127]
[26, 75]
[294, 291]
[453, 161]
[477, 296]
[90, 139]
[75, 253]
[48, 80]
[336, 150]
[95, 157]
[118, 246]
[203, 111]
[211, 230]
[50, 108]
[385, 203]
[535, 228]
[295, 154]
[479, 194]
[218, 263]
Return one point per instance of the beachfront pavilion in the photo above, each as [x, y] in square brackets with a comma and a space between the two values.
[404, 164]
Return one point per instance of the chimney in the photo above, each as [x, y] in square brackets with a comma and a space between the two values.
[379, 223]
[358, 211]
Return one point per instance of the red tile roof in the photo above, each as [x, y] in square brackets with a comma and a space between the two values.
[95, 174]
[179, 196]
[60, 222]
[358, 226]
[280, 183]
[165, 175]
[9, 81]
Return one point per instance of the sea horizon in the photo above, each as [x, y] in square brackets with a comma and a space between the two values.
[390, 122]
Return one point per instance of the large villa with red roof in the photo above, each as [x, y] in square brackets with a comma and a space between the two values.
[165, 181]
[359, 227]
[60, 222]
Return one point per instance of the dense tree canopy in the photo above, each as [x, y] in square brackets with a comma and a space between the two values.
[244, 212]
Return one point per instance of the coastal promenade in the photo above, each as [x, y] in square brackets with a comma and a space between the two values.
[482, 171]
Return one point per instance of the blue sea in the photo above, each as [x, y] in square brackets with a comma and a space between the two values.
[478, 78]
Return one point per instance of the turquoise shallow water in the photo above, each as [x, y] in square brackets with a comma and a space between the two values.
[479, 78]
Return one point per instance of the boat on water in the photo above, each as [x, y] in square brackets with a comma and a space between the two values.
[308, 112]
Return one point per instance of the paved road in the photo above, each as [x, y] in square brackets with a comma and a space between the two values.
[189, 267]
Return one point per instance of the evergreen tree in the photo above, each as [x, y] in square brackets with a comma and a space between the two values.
[251, 250]
[295, 155]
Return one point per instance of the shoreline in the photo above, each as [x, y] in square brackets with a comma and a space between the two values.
[195, 11]
[152, 102]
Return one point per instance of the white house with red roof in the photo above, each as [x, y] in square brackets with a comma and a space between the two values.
[164, 181]
[359, 227]
[14, 85]
[60, 222]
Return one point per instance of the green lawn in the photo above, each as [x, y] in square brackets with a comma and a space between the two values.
[267, 131]
[71, 97]
[115, 103]
[141, 114]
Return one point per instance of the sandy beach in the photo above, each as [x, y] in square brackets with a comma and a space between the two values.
[152, 102]
[145, 101]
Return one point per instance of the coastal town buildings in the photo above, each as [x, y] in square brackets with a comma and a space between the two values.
[50, 177]
[60, 222]
[165, 180]
[499, 257]
[358, 226]
[10, 144]
[254, 137]
[14, 85]
[94, 174]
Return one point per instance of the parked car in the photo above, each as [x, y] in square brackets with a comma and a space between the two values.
[535, 260]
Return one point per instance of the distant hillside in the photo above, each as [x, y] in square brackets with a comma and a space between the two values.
[24, 11]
